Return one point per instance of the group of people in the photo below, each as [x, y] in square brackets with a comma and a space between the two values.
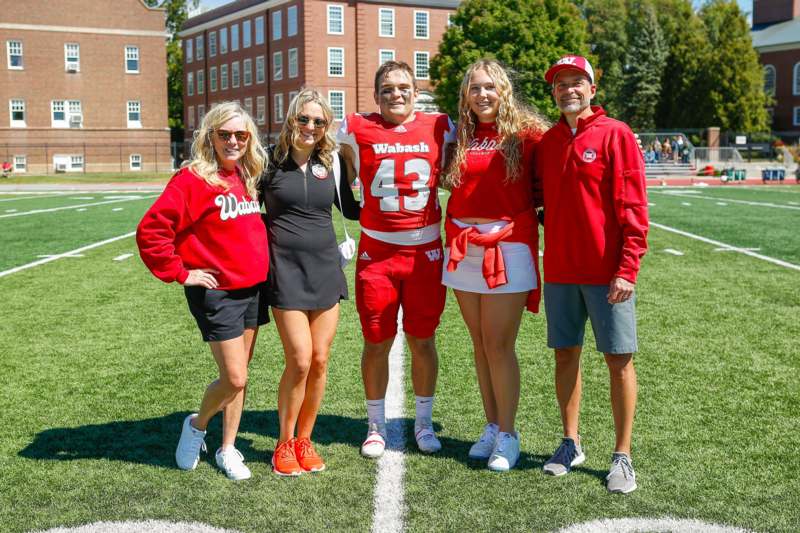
[507, 171]
[669, 150]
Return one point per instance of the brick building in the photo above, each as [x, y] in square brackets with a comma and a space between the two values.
[83, 86]
[776, 37]
[261, 52]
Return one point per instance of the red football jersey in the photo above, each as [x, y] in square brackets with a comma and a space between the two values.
[398, 166]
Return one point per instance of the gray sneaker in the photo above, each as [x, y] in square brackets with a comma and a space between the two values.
[621, 478]
[567, 455]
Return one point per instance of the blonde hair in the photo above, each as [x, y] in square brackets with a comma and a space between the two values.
[204, 161]
[513, 118]
[290, 132]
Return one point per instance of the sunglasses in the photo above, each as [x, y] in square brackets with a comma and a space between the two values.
[318, 122]
[225, 135]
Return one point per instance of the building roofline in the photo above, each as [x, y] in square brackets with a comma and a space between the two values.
[242, 8]
[783, 35]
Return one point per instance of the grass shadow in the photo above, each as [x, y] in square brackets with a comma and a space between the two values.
[152, 441]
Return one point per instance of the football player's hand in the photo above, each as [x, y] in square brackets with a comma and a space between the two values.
[203, 277]
[619, 290]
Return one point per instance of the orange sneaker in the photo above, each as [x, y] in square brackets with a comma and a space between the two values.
[307, 456]
[284, 460]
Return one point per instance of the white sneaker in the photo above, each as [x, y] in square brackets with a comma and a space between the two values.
[231, 462]
[375, 442]
[187, 455]
[484, 447]
[426, 438]
[505, 453]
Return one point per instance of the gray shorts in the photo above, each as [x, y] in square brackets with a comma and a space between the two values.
[568, 305]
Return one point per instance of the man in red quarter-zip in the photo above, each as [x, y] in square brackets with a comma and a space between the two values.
[595, 235]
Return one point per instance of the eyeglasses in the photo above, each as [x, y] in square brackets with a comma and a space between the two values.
[225, 135]
[303, 120]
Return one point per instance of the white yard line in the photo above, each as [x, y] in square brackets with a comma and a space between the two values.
[745, 202]
[389, 501]
[29, 197]
[37, 211]
[71, 253]
[719, 244]
[673, 251]
[123, 257]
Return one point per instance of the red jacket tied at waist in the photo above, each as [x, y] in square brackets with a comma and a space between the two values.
[522, 228]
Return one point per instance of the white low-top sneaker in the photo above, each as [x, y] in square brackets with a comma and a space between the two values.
[506, 452]
[484, 447]
[187, 455]
[231, 462]
[426, 438]
[375, 442]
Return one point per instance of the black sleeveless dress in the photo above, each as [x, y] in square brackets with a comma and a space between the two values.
[304, 267]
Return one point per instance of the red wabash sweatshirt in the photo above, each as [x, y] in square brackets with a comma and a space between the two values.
[595, 200]
[193, 225]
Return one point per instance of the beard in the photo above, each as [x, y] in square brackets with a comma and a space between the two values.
[573, 106]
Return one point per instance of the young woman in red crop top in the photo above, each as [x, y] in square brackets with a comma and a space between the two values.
[205, 232]
[491, 254]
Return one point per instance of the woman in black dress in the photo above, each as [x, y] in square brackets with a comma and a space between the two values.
[306, 280]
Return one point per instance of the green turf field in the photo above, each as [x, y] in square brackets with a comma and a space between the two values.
[100, 362]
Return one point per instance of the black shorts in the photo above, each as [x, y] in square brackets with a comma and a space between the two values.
[223, 315]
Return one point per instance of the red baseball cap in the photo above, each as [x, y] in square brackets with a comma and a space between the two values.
[570, 62]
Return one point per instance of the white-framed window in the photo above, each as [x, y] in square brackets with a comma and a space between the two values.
[277, 66]
[247, 26]
[293, 66]
[72, 57]
[223, 77]
[76, 162]
[259, 23]
[291, 21]
[796, 116]
[223, 41]
[335, 19]
[188, 50]
[134, 114]
[277, 107]
[201, 81]
[198, 47]
[190, 117]
[14, 51]
[212, 44]
[292, 95]
[385, 55]
[190, 84]
[212, 79]
[131, 59]
[261, 104]
[201, 113]
[135, 162]
[277, 30]
[336, 62]
[16, 108]
[421, 20]
[386, 22]
[247, 71]
[450, 20]
[421, 60]
[235, 74]
[769, 80]
[66, 114]
[248, 105]
[20, 163]
[796, 79]
[234, 37]
[260, 69]
[336, 99]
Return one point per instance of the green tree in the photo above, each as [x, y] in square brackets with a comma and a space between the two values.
[644, 66]
[526, 35]
[177, 13]
[684, 83]
[734, 77]
[609, 40]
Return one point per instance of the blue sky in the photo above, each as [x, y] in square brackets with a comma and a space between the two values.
[745, 5]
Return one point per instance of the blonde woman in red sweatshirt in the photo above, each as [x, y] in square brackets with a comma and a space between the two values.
[205, 232]
[492, 246]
